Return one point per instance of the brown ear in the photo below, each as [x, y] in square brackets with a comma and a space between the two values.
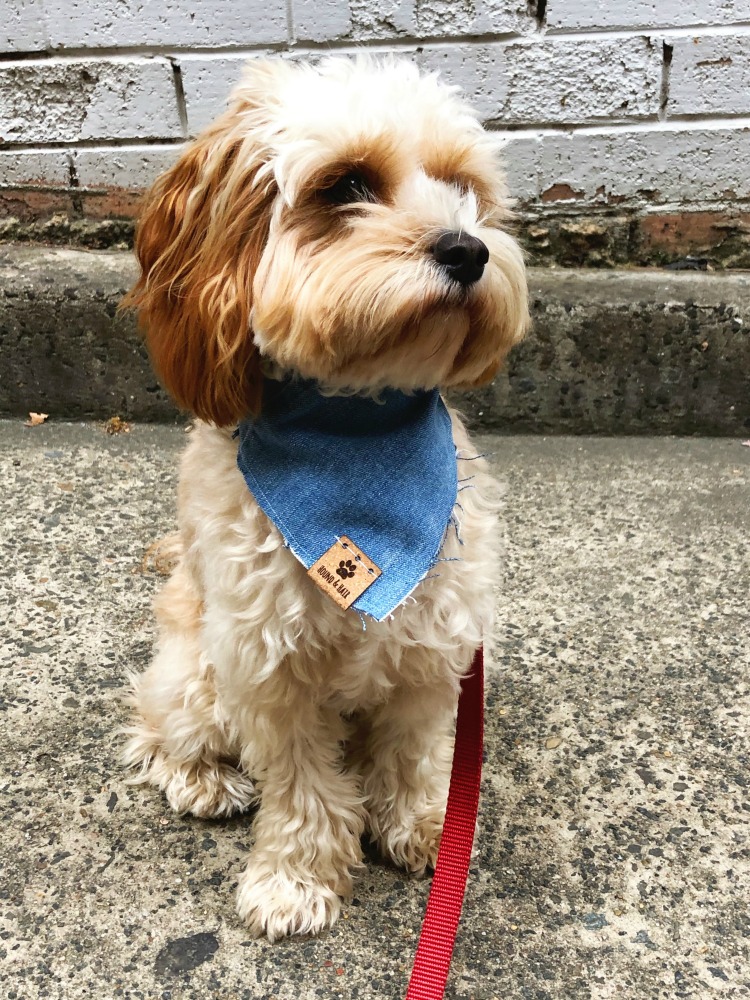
[199, 241]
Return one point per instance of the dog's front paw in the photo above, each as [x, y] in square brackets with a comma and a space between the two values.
[275, 903]
[411, 842]
[207, 789]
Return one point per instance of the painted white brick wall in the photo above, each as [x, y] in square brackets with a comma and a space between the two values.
[21, 26]
[657, 166]
[54, 101]
[710, 75]
[565, 82]
[83, 24]
[122, 167]
[49, 166]
[321, 20]
[577, 15]
[641, 101]
[206, 82]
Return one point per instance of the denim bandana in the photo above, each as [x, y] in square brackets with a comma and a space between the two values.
[362, 490]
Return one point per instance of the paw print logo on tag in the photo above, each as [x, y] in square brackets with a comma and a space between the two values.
[344, 572]
[346, 569]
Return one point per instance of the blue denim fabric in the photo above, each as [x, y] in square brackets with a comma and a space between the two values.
[382, 472]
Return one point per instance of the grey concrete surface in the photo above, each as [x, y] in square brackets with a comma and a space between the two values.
[614, 854]
[646, 352]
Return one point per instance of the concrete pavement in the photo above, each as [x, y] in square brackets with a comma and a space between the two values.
[614, 856]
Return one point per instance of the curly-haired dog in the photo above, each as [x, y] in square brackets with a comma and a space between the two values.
[317, 263]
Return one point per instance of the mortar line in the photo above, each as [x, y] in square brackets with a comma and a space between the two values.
[97, 144]
[179, 91]
[74, 186]
[667, 51]
[290, 22]
[675, 123]
[544, 210]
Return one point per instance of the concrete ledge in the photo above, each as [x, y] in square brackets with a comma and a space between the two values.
[67, 350]
[634, 352]
[627, 352]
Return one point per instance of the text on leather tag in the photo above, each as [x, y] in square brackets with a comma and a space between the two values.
[344, 572]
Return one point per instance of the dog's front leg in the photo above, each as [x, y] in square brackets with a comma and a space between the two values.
[408, 756]
[311, 816]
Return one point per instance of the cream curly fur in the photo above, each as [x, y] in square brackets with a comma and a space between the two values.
[262, 690]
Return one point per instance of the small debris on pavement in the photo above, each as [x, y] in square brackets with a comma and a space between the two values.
[116, 425]
[689, 264]
[35, 419]
[553, 742]
[162, 555]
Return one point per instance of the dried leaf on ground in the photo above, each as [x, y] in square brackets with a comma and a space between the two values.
[116, 425]
[35, 419]
[162, 555]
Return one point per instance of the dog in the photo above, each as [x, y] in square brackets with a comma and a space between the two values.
[339, 234]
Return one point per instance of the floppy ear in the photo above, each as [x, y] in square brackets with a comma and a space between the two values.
[199, 241]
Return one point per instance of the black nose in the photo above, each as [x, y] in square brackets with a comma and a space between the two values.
[462, 256]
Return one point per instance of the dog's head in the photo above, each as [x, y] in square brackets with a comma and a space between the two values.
[344, 221]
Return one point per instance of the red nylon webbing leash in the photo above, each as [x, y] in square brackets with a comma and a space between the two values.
[435, 949]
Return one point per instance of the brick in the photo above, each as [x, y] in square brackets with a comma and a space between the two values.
[677, 234]
[581, 82]
[438, 18]
[710, 75]
[554, 81]
[34, 167]
[479, 70]
[111, 23]
[207, 82]
[123, 169]
[575, 236]
[384, 20]
[22, 207]
[520, 160]
[658, 166]
[112, 204]
[451, 18]
[21, 25]
[54, 101]
[585, 14]
[320, 20]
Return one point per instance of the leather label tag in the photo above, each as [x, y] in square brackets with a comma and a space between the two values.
[344, 572]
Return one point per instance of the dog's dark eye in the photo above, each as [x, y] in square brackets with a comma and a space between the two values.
[349, 189]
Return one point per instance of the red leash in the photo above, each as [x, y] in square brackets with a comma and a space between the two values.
[435, 949]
